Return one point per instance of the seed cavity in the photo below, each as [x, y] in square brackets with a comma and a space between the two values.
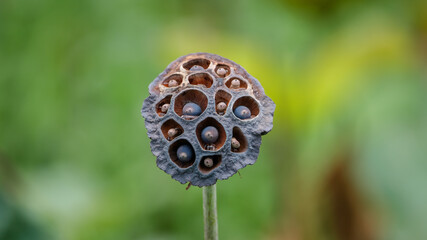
[203, 79]
[222, 98]
[204, 63]
[163, 105]
[239, 142]
[171, 129]
[236, 84]
[211, 134]
[222, 70]
[190, 104]
[182, 153]
[173, 80]
[246, 108]
[209, 163]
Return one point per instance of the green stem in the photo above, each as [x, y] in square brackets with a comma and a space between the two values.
[209, 212]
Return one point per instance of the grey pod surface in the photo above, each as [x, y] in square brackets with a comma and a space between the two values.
[209, 81]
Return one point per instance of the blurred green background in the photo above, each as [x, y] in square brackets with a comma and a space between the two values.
[347, 157]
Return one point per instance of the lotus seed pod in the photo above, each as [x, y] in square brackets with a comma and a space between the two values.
[242, 112]
[173, 83]
[191, 109]
[165, 107]
[208, 162]
[184, 153]
[210, 134]
[221, 106]
[199, 140]
[235, 143]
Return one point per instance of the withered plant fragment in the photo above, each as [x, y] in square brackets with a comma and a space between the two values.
[205, 116]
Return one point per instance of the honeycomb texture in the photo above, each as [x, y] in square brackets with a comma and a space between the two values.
[218, 86]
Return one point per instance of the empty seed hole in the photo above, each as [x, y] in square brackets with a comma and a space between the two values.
[211, 134]
[238, 141]
[222, 70]
[171, 129]
[222, 98]
[204, 63]
[247, 103]
[173, 80]
[201, 79]
[209, 163]
[236, 84]
[188, 97]
[182, 153]
[162, 107]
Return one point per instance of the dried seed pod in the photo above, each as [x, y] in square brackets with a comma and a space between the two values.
[200, 141]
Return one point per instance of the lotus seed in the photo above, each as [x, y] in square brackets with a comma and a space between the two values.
[210, 134]
[208, 162]
[235, 83]
[221, 71]
[221, 106]
[184, 153]
[196, 68]
[172, 132]
[173, 83]
[191, 109]
[242, 112]
[235, 143]
[165, 107]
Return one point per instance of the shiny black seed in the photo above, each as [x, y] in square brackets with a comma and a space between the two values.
[210, 134]
[242, 112]
[191, 109]
[184, 153]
